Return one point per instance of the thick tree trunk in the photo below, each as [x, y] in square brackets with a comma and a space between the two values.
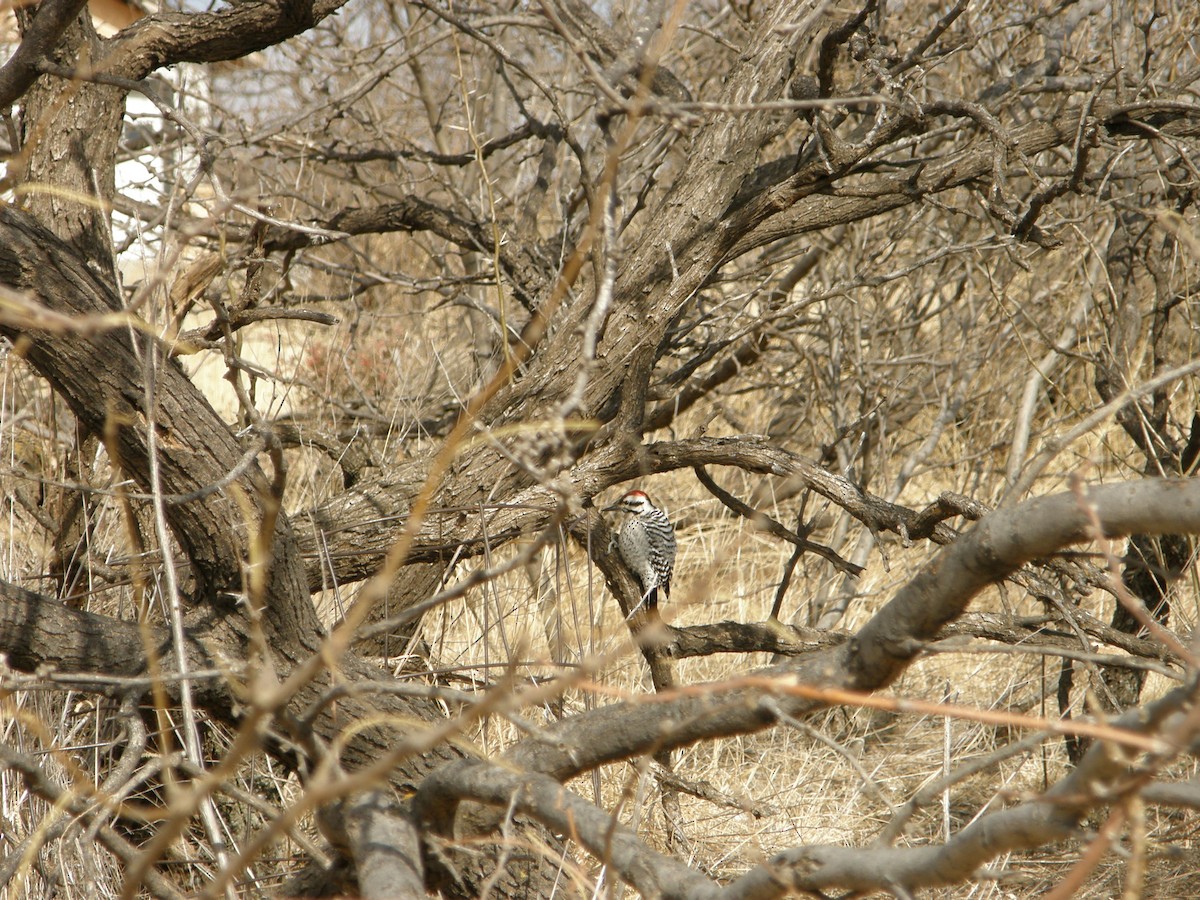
[69, 134]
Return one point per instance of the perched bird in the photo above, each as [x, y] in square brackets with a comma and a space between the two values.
[646, 542]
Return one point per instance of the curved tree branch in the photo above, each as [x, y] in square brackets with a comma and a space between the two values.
[653, 874]
[236, 31]
[359, 524]
[764, 521]
[520, 262]
[796, 206]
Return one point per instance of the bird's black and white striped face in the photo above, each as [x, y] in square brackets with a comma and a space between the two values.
[634, 502]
